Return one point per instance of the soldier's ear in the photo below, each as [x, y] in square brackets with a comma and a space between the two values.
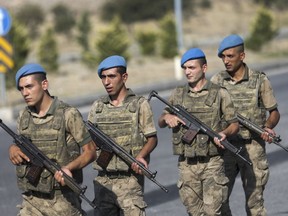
[242, 56]
[45, 84]
[125, 77]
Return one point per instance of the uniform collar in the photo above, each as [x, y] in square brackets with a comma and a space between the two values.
[129, 94]
[227, 76]
[51, 110]
[204, 88]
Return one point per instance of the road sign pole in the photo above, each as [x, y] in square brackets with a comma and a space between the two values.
[2, 89]
[6, 52]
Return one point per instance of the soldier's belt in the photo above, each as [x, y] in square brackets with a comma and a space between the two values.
[240, 141]
[115, 175]
[50, 195]
[195, 160]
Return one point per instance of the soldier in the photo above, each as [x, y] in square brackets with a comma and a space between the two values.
[252, 95]
[128, 119]
[202, 183]
[57, 129]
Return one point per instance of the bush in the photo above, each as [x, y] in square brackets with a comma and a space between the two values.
[64, 20]
[168, 39]
[147, 42]
[139, 10]
[48, 53]
[113, 41]
[262, 30]
[279, 4]
[84, 29]
[31, 15]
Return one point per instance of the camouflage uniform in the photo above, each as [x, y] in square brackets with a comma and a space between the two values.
[202, 183]
[119, 191]
[252, 97]
[59, 134]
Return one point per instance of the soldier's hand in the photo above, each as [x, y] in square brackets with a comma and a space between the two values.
[218, 141]
[16, 156]
[59, 175]
[268, 134]
[135, 167]
[172, 120]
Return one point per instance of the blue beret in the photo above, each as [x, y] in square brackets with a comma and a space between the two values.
[229, 42]
[28, 69]
[194, 53]
[111, 62]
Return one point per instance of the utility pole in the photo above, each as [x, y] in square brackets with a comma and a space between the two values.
[179, 32]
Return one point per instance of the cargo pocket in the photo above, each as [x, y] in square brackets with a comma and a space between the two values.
[46, 182]
[21, 171]
[141, 204]
[179, 184]
[263, 172]
[202, 145]
[21, 180]
[219, 192]
[178, 147]
[134, 206]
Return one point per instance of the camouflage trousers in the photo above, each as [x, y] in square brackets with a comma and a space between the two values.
[119, 196]
[202, 185]
[254, 178]
[67, 204]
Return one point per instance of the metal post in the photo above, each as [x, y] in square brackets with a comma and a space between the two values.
[178, 22]
[2, 89]
[179, 30]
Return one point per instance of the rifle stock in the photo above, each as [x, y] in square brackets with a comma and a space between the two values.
[38, 160]
[191, 122]
[104, 141]
[258, 130]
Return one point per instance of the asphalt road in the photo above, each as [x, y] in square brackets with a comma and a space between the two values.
[162, 160]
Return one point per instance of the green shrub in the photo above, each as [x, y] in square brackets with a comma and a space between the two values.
[140, 10]
[31, 15]
[89, 59]
[262, 30]
[113, 41]
[147, 42]
[168, 38]
[48, 52]
[64, 20]
[84, 28]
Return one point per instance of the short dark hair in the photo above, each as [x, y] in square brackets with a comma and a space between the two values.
[240, 48]
[39, 77]
[202, 61]
[121, 70]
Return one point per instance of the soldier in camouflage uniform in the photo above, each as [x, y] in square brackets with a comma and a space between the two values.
[202, 183]
[252, 96]
[128, 119]
[57, 129]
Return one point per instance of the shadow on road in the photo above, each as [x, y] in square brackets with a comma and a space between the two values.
[157, 197]
[277, 157]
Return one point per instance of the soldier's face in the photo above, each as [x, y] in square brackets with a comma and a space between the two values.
[194, 71]
[232, 59]
[113, 81]
[31, 90]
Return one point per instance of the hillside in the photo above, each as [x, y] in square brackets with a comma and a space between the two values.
[205, 29]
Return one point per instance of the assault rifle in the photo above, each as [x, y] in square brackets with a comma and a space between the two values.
[39, 161]
[109, 147]
[194, 125]
[258, 130]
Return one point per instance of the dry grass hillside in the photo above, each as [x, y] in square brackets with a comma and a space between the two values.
[204, 29]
